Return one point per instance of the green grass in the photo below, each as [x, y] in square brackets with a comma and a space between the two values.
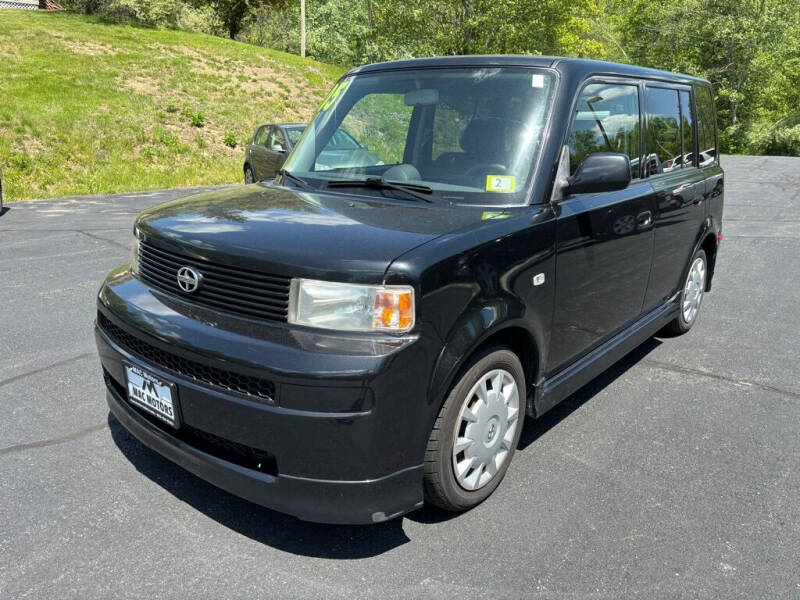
[89, 108]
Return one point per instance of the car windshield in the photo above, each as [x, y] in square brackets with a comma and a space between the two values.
[471, 135]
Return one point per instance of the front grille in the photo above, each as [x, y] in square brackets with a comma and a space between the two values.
[239, 454]
[233, 289]
[228, 380]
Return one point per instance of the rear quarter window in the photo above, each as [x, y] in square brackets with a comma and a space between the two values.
[706, 125]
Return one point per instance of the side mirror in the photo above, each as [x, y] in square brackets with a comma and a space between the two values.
[600, 172]
[278, 148]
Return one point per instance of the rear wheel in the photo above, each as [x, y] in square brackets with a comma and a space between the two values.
[248, 175]
[692, 295]
[476, 432]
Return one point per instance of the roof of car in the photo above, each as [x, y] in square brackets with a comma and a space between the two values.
[581, 66]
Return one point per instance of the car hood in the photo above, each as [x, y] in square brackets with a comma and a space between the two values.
[295, 233]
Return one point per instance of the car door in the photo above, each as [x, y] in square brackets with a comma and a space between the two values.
[258, 158]
[604, 241]
[679, 192]
[274, 152]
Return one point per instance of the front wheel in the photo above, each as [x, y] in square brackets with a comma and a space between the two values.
[248, 175]
[691, 296]
[476, 432]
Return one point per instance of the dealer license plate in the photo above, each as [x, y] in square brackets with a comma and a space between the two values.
[153, 395]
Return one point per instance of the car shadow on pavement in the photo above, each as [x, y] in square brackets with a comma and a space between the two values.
[329, 541]
[256, 522]
[536, 428]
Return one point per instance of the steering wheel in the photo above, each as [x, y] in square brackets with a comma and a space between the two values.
[485, 169]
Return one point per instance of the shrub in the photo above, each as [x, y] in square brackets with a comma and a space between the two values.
[154, 13]
[230, 139]
[780, 139]
[200, 19]
[195, 117]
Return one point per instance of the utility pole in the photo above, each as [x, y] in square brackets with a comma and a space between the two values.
[302, 27]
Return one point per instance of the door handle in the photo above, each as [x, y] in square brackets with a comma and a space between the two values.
[644, 219]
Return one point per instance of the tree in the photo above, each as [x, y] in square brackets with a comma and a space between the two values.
[741, 46]
[232, 13]
[431, 27]
[302, 27]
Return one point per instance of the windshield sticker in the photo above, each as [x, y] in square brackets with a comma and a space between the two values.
[334, 94]
[537, 80]
[504, 184]
[492, 215]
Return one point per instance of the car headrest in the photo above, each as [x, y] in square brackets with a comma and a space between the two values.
[484, 136]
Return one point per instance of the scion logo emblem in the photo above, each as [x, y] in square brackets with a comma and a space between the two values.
[189, 279]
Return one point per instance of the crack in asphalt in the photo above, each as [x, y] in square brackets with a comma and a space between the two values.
[102, 239]
[689, 371]
[52, 441]
[57, 229]
[92, 429]
[60, 363]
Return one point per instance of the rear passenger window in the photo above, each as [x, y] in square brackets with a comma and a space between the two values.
[706, 129]
[606, 120]
[664, 148]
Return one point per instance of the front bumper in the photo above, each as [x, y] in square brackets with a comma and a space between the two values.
[336, 445]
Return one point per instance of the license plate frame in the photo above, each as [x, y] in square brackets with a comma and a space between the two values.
[152, 394]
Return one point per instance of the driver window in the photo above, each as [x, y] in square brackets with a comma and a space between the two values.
[274, 139]
[606, 119]
[261, 136]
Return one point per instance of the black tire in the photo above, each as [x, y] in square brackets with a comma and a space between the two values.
[680, 325]
[248, 175]
[440, 483]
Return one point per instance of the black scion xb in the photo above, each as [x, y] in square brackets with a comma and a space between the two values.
[355, 338]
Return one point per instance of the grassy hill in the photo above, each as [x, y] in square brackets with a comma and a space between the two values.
[89, 108]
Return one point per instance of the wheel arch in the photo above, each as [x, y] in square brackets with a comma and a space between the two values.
[455, 358]
[710, 245]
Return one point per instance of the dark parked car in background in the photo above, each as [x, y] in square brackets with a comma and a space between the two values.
[268, 148]
[352, 339]
[266, 152]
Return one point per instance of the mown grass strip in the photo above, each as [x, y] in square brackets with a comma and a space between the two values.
[89, 108]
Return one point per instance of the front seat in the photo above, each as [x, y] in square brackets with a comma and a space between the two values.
[483, 141]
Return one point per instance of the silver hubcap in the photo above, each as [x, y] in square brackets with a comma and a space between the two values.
[693, 292]
[485, 429]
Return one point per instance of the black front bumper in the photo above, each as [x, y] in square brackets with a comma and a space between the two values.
[357, 461]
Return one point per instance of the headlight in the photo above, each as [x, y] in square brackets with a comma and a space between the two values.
[135, 253]
[350, 307]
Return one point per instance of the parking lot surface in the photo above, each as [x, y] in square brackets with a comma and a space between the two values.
[676, 474]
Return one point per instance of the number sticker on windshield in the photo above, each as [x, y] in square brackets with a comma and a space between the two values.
[504, 184]
[334, 94]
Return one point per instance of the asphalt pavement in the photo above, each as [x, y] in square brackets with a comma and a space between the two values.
[676, 474]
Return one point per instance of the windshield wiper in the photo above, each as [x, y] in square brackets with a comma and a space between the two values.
[298, 180]
[418, 192]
